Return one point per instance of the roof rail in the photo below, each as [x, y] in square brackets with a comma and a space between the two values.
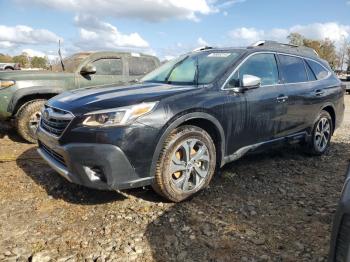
[202, 48]
[284, 47]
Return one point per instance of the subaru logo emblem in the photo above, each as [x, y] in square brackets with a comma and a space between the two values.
[47, 113]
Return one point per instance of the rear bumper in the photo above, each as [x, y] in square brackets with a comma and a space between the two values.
[99, 166]
[342, 210]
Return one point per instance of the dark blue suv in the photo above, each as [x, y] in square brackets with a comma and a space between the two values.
[191, 116]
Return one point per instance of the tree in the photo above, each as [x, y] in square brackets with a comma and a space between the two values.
[325, 48]
[39, 62]
[5, 58]
[296, 39]
[22, 59]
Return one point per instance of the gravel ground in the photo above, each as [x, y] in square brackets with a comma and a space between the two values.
[273, 206]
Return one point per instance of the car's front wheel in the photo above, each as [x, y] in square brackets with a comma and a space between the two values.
[321, 134]
[186, 163]
[27, 119]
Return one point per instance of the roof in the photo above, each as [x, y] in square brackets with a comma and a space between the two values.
[272, 46]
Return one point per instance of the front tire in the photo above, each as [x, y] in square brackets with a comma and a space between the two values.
[27, 119]
[186, 163]
[321, 135]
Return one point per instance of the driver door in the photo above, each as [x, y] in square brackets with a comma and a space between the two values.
[108, 71]
[265, 106]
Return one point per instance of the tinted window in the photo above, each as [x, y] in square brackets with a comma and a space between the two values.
[319, 70]
[310, 73]
[110, 66]
[292, 69]
[139, 66]
[260, 65]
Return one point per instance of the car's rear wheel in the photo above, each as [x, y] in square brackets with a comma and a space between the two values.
[186, 163]
[27, 119]
[343, 241]
[321, 134]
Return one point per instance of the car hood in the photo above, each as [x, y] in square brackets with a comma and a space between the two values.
[32, 75]
[81, 101]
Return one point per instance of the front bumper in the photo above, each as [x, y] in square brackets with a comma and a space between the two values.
[99, 166]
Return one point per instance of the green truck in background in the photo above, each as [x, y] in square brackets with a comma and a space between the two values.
[23, 93]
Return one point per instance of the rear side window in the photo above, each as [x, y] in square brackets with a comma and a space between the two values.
[292, 69]
[319, 71]
[310, 73]
[139, 66]
[109, 66]
[260, 65]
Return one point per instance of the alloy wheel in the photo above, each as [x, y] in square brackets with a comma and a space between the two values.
[34, 121]
[189, 165]
[322, 134]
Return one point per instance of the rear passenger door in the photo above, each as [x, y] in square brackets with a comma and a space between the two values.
[108, 71]
[301, 85]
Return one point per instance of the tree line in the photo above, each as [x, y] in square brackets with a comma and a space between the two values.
[26, 61]
[337, 57]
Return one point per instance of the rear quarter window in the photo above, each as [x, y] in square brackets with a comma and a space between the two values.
[139, 66]
[292, 69]
[319, 71]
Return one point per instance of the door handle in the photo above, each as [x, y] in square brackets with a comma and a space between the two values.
[319, 92]
[282, 98]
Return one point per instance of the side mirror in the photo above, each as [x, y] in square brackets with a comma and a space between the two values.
[250, 81]
[88, 69]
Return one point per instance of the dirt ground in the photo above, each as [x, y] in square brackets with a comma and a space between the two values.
[273, 206]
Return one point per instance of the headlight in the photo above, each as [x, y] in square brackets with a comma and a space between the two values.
[118, 116]
[6, 83]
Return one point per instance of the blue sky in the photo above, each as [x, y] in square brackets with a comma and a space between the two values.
[163, 27]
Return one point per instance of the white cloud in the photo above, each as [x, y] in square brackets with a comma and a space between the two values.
[96, 34]
[169, 57]
[150, 10]
[202, 42]
[334, 31]
[21, 35]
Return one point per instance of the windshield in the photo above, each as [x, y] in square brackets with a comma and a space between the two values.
[194, 69]
[70, 63]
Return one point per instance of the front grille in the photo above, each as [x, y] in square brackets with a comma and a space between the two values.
[59, 158]
[55, 121]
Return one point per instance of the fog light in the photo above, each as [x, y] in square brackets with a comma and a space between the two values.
[95, 173]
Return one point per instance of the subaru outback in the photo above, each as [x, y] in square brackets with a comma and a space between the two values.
[191, 116]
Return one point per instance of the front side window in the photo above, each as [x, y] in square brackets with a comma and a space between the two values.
[320, 71]
[292, 69]
[108, 66]
[263, 66]
[196, 68]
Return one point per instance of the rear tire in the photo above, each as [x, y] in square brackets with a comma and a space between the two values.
[321, 135]
[27, 119]
[186, 163]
